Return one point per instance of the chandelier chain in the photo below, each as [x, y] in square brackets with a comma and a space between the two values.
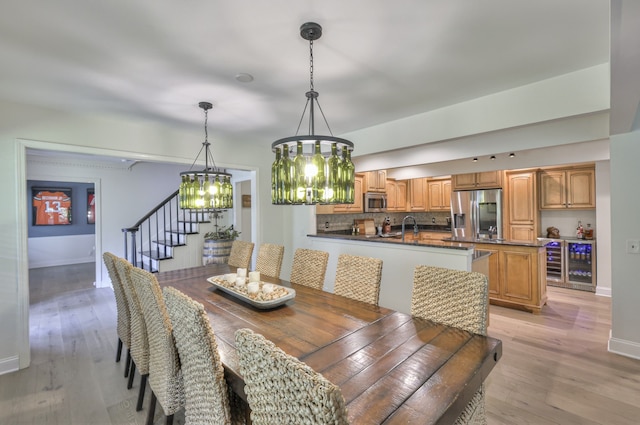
[311, 64]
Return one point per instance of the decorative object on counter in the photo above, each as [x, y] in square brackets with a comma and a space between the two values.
[386, 226]
[580, 231]
[210, 189]
[588, 232]
[314, 176]
[553, 232]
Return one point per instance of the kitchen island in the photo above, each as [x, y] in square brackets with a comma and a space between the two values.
[399, 260]
[516, 270]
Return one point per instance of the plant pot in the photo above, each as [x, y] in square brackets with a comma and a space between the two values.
[216, 251]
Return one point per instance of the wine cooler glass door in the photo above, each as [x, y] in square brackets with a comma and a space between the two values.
[581, 265]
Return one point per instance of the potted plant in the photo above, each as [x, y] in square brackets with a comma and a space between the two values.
[217, 245]
[223, 234]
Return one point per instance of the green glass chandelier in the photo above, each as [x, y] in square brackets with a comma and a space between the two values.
[312, 169]
[209, 190]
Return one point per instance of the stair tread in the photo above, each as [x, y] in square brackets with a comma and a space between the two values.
[181, 232]
[154, 255]
[170, 243]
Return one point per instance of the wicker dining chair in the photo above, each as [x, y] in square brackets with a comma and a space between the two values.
[207, 395]
[240, 255]
[269, 260]
[165, 376]
[281, 389]
[358, 278]
[459, 299]
[123, 320]
[309, 267]
[139, 347]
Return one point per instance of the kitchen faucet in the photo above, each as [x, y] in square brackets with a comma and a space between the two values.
[415, 226]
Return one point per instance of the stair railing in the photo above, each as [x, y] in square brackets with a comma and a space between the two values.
[149, 234]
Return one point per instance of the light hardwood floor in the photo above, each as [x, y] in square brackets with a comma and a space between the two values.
[555, 367]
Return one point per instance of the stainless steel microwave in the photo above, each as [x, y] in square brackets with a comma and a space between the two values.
[375, 202]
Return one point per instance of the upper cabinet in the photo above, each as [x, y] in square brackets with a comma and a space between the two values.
[396, 195]
[439, 194]
[375, 181]
[357, 206]
[522, 216]
[567, 188]
[484, 180]
[418, 194]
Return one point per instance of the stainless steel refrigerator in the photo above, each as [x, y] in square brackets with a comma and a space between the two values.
[476, 214]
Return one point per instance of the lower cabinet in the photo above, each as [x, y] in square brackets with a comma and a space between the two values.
[517, 276]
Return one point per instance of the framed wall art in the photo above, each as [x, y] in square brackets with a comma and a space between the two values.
[91, 206]
[51, 206]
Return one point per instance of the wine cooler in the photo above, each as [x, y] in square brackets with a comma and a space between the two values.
[580, 265]
[555, 261]
[571, 263]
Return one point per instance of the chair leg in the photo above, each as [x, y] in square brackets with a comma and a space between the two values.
[143, 386]
[132, 372]
[119, 350]
[170, 420]
[152, 409]
[128, 365]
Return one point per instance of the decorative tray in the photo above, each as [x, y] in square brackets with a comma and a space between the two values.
[261, 299]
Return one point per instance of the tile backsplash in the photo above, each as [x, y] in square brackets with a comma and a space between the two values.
[333, 222]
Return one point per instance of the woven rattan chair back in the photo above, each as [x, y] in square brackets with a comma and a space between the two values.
[269, 260]
[206, 391]
[281, 389]
[309, 267]
[358, 278]
[165, 377]
[139, 341]
[240, 255]
[454, 298]
[123, 319]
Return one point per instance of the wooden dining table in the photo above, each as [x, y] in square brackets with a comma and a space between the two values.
[391, 367]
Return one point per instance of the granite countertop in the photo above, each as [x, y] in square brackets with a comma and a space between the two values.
[496, 241]
[394, 240]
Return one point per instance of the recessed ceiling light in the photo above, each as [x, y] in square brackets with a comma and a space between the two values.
[511, 155]
[243, 77]
[475, 159]
[493, 157]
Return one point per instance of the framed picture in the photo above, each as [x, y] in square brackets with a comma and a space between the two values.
[246, 201]
[91, 206]
[51, 206]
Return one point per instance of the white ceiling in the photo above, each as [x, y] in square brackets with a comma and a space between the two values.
[376, 61]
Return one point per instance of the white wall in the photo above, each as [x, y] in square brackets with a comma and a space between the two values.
[625, 226]
[61, 250]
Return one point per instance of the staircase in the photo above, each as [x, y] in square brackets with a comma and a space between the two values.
[166, 235]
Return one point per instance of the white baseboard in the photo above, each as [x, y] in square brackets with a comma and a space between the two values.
[603, 291]
[10, 364]
[624, 347]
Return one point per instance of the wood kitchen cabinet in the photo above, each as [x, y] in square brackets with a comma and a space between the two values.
[396, 195]
[357, 206]
[567, 188]
[418, 194]
[439, 194]
[375, 181]
[517, 276]
[484, 180]
[434, 236]
[521, 213]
